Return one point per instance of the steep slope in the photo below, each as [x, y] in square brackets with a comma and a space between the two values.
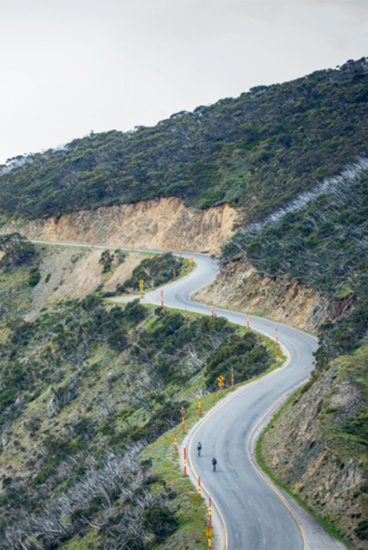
[72, 273]
[258, 151]
[322, 245]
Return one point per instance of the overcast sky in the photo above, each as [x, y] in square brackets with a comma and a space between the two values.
[72, 66]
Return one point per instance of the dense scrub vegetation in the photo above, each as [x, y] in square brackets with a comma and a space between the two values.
[157, 268]
[17, 251]
[257, 151]
[84, 389]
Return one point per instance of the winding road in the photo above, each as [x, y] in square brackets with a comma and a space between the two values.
[249, 512]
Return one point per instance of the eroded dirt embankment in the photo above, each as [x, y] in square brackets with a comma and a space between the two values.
[150, 224]
[240, 288]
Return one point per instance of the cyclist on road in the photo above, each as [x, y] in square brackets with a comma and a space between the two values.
[199, 448]
[214, 462]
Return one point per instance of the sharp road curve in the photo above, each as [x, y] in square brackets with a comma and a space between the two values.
[250, 513]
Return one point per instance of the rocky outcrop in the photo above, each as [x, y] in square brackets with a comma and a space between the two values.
[150, 224]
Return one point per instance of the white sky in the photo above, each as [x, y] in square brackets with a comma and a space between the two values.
[71, 66]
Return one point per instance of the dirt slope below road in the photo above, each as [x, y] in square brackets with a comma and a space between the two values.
[68, 272]
[150, 224]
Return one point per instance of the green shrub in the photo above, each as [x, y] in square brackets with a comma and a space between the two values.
[362, 530]
[160, 521]
[106, 260]
[118, 340]
[34, 276]
[18, 250]
[91, 302]
[135, 312]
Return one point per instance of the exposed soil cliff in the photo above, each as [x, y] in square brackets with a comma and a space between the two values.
[150, 224]
[240, 288]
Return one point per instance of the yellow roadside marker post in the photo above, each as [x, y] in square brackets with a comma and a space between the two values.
[209, 535]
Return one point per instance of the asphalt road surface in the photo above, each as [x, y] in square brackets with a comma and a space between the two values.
[249, 512]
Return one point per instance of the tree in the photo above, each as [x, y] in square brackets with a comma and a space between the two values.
[106, 260]
[18, 250]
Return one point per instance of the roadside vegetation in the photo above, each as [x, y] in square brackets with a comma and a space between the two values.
[157, 270]
[85, 387]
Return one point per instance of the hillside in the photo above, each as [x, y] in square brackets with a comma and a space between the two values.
[311, 261]
[317, 446]
[86, 387]
[64, 273]
[257, 152]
